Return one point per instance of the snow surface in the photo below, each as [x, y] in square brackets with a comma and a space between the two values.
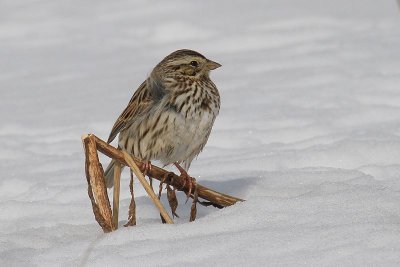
[308, 134]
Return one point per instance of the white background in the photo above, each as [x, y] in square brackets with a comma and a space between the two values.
[308, 133]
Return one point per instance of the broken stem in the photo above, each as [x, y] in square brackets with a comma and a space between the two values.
[117, 182]
[96, 185]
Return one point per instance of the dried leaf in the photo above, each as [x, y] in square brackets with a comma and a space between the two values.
[97, 215]
[193, 209]
[172, 200]
[193, 212]
[90, 157]
[132, 206]
[159, 197]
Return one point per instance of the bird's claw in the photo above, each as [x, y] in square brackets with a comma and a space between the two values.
[188, 180]
[192, 185]
[146, 167]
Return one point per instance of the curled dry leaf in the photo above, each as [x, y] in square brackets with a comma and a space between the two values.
[172, 200]
[193, 209]
[160, 188]
[132, 206]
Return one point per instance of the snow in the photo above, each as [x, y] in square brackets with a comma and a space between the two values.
[308, 133]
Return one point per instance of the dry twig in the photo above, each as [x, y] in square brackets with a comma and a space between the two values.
[117, 182]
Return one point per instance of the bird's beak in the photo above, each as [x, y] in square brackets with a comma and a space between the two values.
[211, 65]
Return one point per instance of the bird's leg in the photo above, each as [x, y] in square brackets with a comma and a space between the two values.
[146, 167]
[187, 179]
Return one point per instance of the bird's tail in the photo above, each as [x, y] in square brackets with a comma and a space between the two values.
[109, 174]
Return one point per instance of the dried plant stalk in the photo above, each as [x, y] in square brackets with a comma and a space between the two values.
[132, 205]
[117, 182]
[96, 185]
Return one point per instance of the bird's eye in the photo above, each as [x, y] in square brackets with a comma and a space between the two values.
[194, 63]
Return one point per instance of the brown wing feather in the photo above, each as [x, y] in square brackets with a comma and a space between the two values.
[139, 102]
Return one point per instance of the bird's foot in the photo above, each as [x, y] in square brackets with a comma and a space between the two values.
[146, 167]
[188, 180]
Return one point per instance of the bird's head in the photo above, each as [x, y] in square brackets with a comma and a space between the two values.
[185, 63]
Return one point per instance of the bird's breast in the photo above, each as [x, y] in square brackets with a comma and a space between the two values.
[196, 100]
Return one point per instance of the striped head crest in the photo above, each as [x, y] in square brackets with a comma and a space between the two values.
[185, 62]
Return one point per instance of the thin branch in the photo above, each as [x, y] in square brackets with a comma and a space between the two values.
[117, 183]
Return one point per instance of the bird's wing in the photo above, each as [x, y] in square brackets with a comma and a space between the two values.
[139, 103]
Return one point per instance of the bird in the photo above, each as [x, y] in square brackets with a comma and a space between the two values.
[170, 116]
